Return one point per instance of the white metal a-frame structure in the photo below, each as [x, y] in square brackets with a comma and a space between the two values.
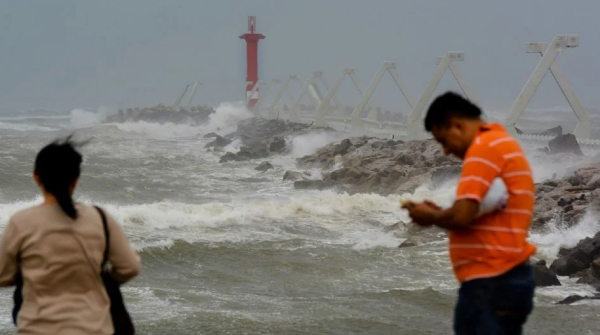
[331, 94]
[311, 88]
[194, 86]
[549, 53]
[272, 113]
[390, 67]
[415, 125]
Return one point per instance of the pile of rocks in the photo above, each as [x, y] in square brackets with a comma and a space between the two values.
[566, 200]
[372, 165]
[194, 115]
[581, 261]
[261, 138]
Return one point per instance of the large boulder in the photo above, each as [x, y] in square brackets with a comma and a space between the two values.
[254, 150]
[293, 176]
[229, 157]
[277, 145]
[588, 279]
[556, 131]
[264, 166]
[578, 258]
[544, 276]
[575, 298]
[565, 143]
[218, 142]
[342, 148]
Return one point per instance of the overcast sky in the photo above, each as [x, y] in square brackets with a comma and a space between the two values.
[61, 55]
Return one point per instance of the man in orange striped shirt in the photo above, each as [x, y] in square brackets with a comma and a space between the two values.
[489, 253]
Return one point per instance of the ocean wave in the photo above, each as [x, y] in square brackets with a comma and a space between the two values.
[23, 127]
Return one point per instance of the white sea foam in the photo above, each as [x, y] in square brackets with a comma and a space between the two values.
[549, 242]
[308, 144]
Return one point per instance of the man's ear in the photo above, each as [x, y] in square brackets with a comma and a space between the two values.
[456, 123]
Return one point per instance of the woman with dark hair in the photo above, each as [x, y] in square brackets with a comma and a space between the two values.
[53, 253]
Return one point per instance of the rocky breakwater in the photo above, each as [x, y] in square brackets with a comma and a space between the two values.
[565, 202]
[373, 165]
[260, 138]
[194, 115]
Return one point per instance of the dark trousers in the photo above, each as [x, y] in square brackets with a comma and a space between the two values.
[495, 306]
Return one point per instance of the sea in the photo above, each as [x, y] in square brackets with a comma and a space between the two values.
[227, 249]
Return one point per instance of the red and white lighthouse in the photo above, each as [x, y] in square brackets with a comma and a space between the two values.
[252, 39]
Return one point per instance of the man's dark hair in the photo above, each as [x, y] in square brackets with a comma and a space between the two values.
[449, 105]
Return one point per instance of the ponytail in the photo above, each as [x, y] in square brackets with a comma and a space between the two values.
[58, 165]
[65, 201]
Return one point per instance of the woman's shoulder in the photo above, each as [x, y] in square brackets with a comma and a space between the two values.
[28, 214]
[44, 213]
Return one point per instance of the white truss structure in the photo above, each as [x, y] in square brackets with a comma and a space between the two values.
[549, 54]
[415, 125]
[331, 94]
[196, 84]
[311, 88]
[272, 113]
[178, 101]
[413, 129]
[357, 121]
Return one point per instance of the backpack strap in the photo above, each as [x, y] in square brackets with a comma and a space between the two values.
[106, 237]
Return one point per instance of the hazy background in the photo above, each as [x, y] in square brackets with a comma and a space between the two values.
[65, 54]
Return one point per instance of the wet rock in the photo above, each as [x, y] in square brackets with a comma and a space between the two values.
[589, 279]
[556, 131]
[219, 142]
[278, 145]
[407, 244]
[262, 138]
[395, 226]
[594, 182]
[565, 143]
[575, 298]
[377, 145]
[194, 115]
[578, 258]
[264, 166]
[544, 276]
[588, 173]
[293, 176]
[229, 157]
[405, 159]
[210, 135]
[595, 268]
[574, 180]
[342, 148]
[311, 185]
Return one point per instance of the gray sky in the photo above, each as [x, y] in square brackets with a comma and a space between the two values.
[60, 54]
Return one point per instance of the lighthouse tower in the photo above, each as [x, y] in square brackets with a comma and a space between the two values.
[252, 39]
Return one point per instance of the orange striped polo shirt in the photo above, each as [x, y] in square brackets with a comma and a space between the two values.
[496, 242]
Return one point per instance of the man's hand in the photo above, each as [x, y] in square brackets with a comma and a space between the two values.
[460, 216]
[424, 213]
